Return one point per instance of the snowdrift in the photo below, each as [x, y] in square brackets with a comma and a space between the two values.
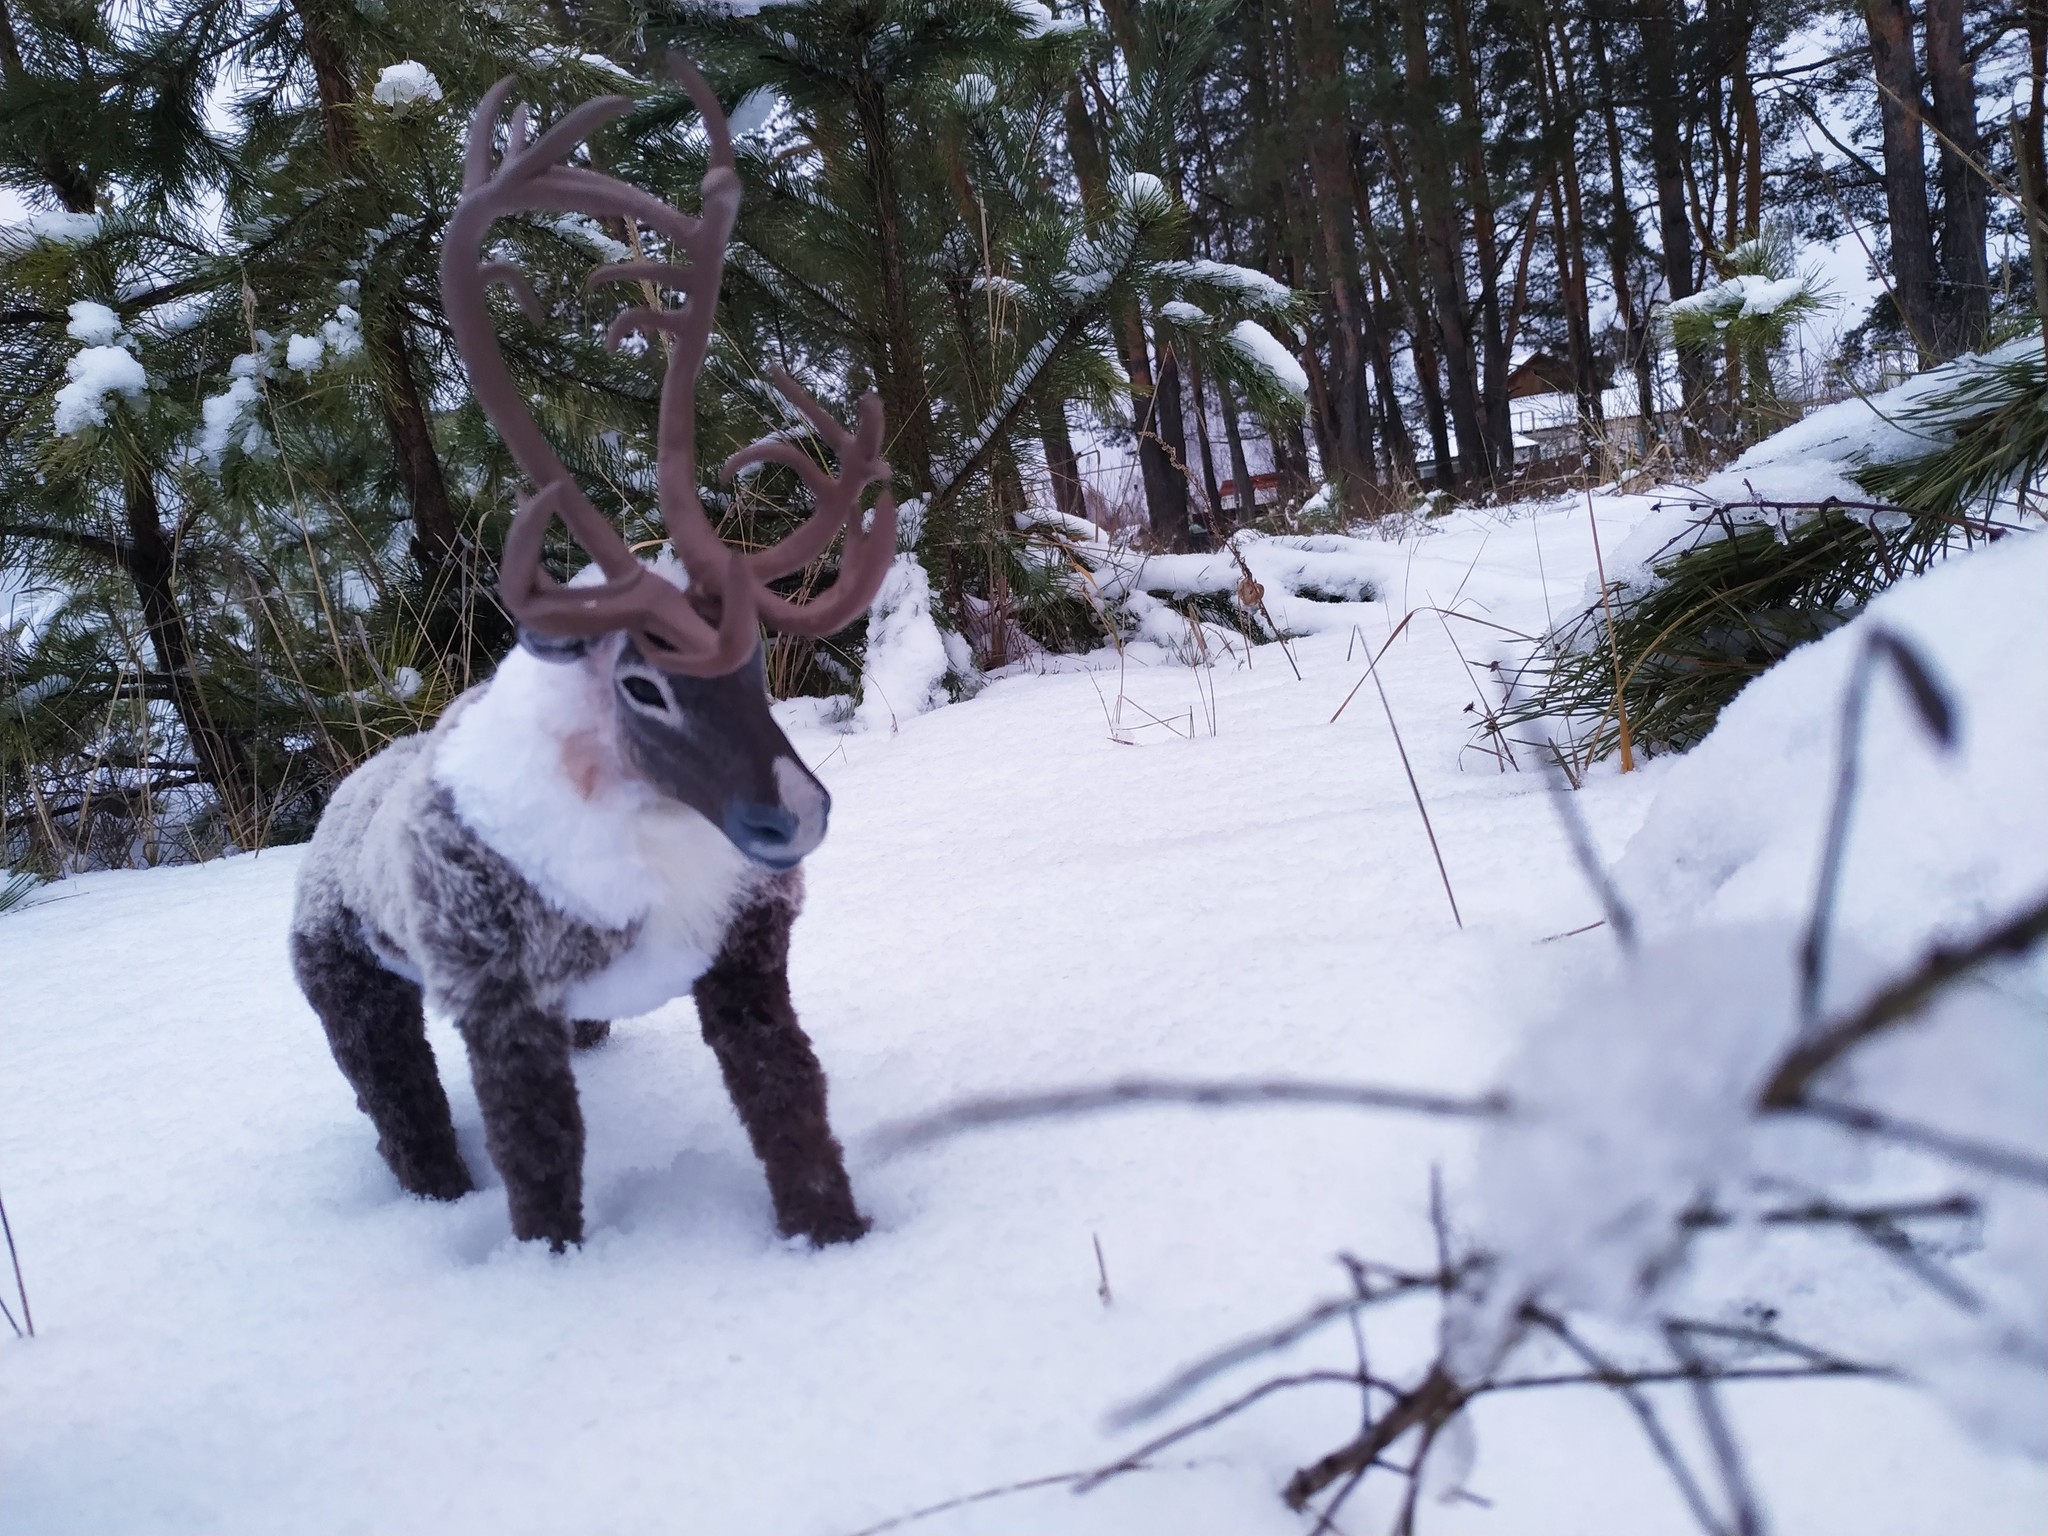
[243, 1326]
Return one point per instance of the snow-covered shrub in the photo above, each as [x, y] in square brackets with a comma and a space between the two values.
[908, 658]
[1723, 584]
[1984, 433]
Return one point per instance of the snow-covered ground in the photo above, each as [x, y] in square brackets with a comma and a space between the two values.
[244, 1326]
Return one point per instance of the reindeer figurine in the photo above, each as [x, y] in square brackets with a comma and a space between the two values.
[614, 818]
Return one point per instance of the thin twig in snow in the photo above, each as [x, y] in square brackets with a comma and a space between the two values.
[28, 1322]
[2004, 1161]
[1628, 756]
[1727, 1454]
[1138, 1458]
[1936, 714]
[897, 1522]
[973, 1114]
[1372, 662]
[1416, 790]
[1190, 1377]
[1645, 1412]
[1619, 918]
[1898, 1002]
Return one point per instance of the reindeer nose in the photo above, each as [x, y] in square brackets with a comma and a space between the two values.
[765, 833]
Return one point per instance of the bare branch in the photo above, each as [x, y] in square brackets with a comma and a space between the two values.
[1430, 1404]
[1642, 1408]
[1210, 1366]
[900, 1136]
[2004, 1161]
[1900, 1001]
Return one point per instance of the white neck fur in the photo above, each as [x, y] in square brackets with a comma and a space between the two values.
[536, 770]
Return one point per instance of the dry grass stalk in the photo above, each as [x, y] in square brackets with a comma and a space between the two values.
[1628, 756]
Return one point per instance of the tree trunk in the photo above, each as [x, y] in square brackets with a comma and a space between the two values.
[1444, 249]
[1319, 50]
[1659, 37]
[1422, 327]
[436, 542]
[1959, 171]
[1623, 242]
[1169, 434]
[1240, 467]
[2035, 141]
[1166, 507]
[905, 397]
[1493, 343]
[1198, 388]
[1568, 238]
[1062, 464]
[1749, 133]
[1393, 430]
[1905, 173]
[151, 564]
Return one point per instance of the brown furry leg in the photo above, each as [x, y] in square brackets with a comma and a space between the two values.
[533, 1125]
[773, 1075]
[379, 1039]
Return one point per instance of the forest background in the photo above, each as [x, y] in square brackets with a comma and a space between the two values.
[1292, 258]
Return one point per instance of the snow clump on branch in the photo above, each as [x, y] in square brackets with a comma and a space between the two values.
[107, 366]
[403, 83]
[1262, 349]
[94, 324]
[904, 670]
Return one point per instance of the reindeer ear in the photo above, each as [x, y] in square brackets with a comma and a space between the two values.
[555, 648]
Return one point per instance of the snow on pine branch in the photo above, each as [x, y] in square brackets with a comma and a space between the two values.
[1246, 284]
[107, 366]
[403, 83]
[1264, 351]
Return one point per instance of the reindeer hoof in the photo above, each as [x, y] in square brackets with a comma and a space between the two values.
[839, 1227]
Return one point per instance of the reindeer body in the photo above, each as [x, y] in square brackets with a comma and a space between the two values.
[514, 869]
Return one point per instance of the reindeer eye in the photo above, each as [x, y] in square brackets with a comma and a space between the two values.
[641, 691]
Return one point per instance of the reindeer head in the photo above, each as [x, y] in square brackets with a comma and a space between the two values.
[684, 667]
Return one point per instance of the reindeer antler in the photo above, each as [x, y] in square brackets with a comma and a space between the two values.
[671, 631]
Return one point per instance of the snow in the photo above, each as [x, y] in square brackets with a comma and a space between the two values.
[243, 1326]
[303, 353]
[557, 56]
[1143, 187]
[1248, 283]
[587, 232]
[1268, 352]
[1585, 1190]
[1745, 294]
[1810, 461]
[974, 91]
[1181, 313]
[225, 420]
[53, 227]
[96, 373]
[94, 323]
[1039, 21]
[904, 671]
[343, 335]
[403, 83]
